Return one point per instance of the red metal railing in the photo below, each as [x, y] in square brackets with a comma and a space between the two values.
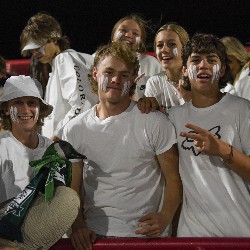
[162, 243]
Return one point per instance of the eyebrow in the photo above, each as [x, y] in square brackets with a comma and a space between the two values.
[209, 56]
[111, 69]
[127, 27]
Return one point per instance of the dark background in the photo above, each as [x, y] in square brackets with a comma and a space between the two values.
[89, 23]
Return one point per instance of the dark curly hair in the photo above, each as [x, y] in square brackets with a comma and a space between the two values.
[206, 43]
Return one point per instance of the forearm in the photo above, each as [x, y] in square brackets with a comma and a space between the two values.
[172, 198]
[235, 160]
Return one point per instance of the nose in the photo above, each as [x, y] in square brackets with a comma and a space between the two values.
[129, 33]
[25, 107]
[204, 64]
[116, 79]
[165, 48]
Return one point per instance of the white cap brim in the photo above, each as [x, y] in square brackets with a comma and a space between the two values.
[31, 45]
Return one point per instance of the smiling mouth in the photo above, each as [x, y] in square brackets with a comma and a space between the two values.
[25, 118]
[167, 58]
[203, 76]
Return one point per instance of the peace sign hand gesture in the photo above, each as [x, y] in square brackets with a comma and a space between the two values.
[205, 141]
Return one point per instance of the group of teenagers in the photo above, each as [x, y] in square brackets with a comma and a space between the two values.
[158, 133]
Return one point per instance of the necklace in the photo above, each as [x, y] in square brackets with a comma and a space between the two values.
[173, 86]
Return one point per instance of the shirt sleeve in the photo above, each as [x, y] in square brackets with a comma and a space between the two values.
[162, 136]
[70, 73]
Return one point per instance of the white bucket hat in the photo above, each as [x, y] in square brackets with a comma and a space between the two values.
[19, 86]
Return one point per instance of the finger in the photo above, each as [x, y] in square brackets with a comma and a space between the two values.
[154, 104]
[193, 136]
[76, 243]
[147, 230]
[82, 242]
[141, 105]
[139, 77]
[145, 217]
[197, 129]
[88, 242]
[154, 233]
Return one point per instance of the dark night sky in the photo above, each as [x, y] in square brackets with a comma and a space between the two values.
[89, 23]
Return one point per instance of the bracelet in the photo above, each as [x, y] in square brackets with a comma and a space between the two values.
[231, 155]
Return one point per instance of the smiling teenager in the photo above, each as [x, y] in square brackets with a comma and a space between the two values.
[131, 30]
[166, 86]
[22, 110]
[68, 89]
[132, 157]
[214, 146]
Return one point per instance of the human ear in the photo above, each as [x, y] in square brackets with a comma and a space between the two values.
[184, 71]
[222, 70]
[94, 73]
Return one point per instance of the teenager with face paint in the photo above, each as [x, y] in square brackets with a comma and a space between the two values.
[68, 89]
[214, 146]
[22, 111]
[165, 87]
[130, 156]
[131, 29]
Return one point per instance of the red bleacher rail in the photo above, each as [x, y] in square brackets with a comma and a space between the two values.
[162, 244]
[18, 67]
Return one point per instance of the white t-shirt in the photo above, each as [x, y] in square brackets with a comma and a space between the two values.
[242, 85]
[15, 172]
[164, 90]
[123, 180]
[68, 90]
[150, 66]
[216, 200]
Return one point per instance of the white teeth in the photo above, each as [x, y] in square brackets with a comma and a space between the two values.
[204, 76]
[25, 117]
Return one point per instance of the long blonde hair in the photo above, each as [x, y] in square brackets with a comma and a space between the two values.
[236, 49]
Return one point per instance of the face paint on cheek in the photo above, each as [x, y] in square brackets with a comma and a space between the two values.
[192, 72]
[126, 88]
[137, 40]
[42, 50]
[175, 52]
[36, 114]
[118, 35]
[13, 114]
[216, 72]
[103, 83]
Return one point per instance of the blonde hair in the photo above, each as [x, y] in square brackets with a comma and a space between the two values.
[179, 30]
[122, 52]
[236, 49]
